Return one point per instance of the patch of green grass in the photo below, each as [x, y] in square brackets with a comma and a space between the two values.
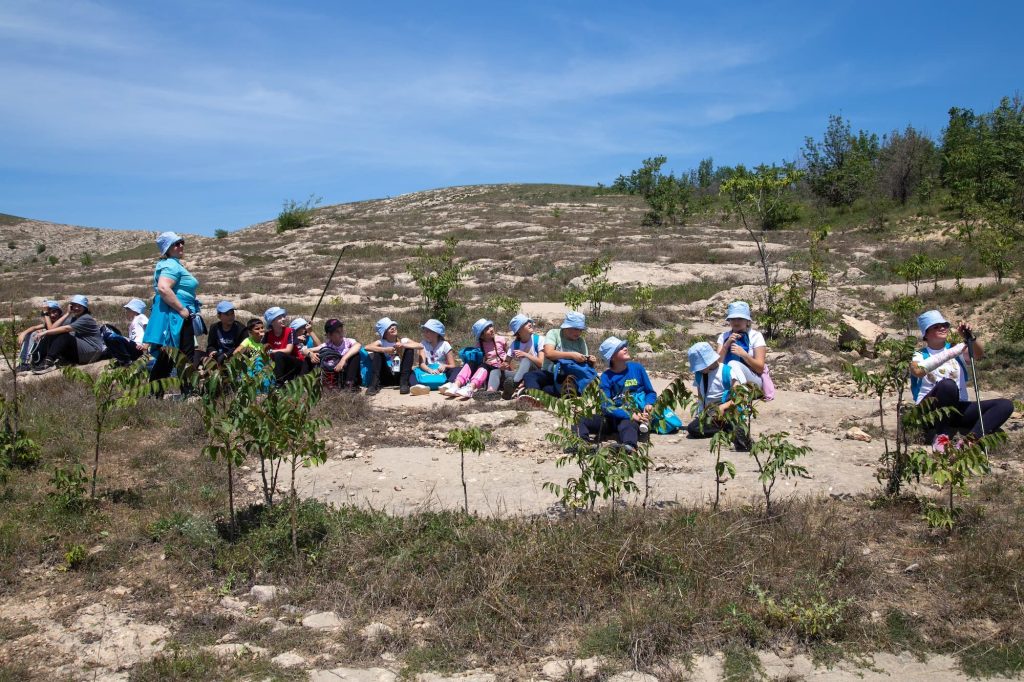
[428, 658]
[188, 666]
[145, 250]
[15, 672]
[989, 660]
[741, 664]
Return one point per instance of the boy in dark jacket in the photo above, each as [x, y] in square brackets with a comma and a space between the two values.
[629, 396]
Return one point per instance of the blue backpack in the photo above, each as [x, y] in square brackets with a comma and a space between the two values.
[916, 382]
[474, 357]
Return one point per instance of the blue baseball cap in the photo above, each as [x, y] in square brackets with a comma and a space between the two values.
[273, 313]
[136, 305]
[930, 319]
[435, 326]
[298, 323]
[225, 307]
[574, 320]
[518, 321]
[701, 356]
[738, 309]
[383, 324]
[480, 326]
[166, 240]
[610, 347]
[79, 299]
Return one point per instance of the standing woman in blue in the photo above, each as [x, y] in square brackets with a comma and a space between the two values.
[174, 306]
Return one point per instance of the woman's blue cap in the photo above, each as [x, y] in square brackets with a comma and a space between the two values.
[518, 321]
[166, 240]
[738, 309]
[930, 319]
[382, 326]
[701, 356]
[435, 326]
[480, 326]
[574, 320]
[273, 313]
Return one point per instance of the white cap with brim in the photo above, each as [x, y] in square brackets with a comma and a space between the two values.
[701, 356]
[136, 305]
[610, 346]
[382, 326]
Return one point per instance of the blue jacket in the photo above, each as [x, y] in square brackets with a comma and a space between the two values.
[635, 381]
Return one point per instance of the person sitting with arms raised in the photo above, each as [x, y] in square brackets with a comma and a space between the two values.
[76, 341]
[393, 358]
[939, 374]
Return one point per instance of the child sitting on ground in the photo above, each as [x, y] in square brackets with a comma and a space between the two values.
[629, 397]
[224, 336]
[392, 357]
[528, 351]
[743, 344]
[493, 369]
[714, 381]
[568, 364]
[305, 343]
[253, 343]
[279, 341]
[339, 357]
[437, 357]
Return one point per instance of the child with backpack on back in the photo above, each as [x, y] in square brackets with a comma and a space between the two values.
[715, 381]
[628, 397]
[339, 357]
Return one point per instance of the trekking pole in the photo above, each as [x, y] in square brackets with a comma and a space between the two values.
[326, 286]
[969, 339]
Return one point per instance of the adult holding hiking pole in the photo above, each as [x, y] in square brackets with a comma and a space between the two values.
[939, 373]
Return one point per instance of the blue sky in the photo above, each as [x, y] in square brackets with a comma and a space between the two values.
[208, 114]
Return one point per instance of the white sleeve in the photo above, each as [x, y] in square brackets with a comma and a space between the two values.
[721, 338]
[756, 340]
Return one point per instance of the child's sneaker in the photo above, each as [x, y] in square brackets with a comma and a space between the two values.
[940, 443]
[419, 389]
[445, 388]
[466, 392]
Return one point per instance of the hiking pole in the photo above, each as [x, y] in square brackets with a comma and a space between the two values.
[969, 339]
[326, 286]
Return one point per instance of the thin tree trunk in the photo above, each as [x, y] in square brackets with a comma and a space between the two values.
[295, 517]
[231, 498]
[462, 470]
[96, 458]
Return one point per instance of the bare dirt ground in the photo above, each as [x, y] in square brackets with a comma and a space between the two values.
[400, 461]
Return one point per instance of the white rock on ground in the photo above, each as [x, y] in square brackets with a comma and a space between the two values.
[352, 675]
[325, 620]
[288, 659]
[857, 433]
[375, 631]
[852, 332]
[458, 677]
[237, 650]
[234, 604]
[266, 593]
[633, 676]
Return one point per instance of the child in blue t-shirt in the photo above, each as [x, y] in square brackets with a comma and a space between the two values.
[629, 396]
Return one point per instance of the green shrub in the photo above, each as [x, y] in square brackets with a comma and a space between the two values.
[295, 215]
[438, 276]
[220, 233]
[74, 557]
[52, 260]
[68, 494]
[86, 260]
[40, 248]
[11, 245]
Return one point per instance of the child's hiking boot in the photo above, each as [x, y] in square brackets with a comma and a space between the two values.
[508, 387]
[419, 389]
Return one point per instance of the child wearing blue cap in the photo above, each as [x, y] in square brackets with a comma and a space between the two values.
[225, 336]
[77, 340]
[279, 341]
[714, 381]
[392, 356]
[625, 384]
[939, 374]
[527, 350]
[496, 364]
[567, 360]
[435, 357]
[51, 315]
[743, 344]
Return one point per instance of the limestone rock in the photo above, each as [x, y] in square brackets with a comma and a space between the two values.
[234, 604]
[458, 677]
[857, 433]
[375, 631]
[237, 650]
[854, 333]
[288, 659]
[266, 593]
[352, 675]
[560, 669]
[632, 676]
[324, 620]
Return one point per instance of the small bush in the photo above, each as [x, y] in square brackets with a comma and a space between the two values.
[220, 233]
[295, 215]
[86, 260]
[52, 260]
[11, 245]
[74, 557]
[68, 494]
[40, 248]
